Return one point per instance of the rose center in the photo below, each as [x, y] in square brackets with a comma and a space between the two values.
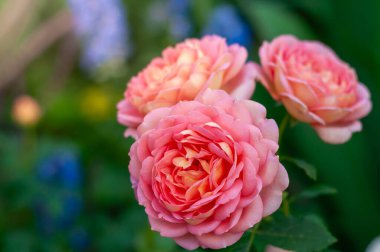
[201, 163]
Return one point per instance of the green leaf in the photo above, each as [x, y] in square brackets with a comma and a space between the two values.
[309, 169]
[296, 234]
[110, 186]
[273, 19]
[316, 191]
[20, 240]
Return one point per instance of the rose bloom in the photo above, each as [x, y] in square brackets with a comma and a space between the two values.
[26, 111]
[182, 72]
[315, 86]
[207, 170]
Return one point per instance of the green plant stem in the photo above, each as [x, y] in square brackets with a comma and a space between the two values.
[283, 125]
[252, 237]
[286, 207]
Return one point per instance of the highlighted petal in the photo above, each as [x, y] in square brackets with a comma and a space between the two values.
[269, 129]
[299, 110]
[258, 111]
[240, 56]
[219, 241]
[303, 91]
[167, 229]
[269, 171]
[152, 119]
[188, 242]
[204, 227]
[331, 114]
[281, 83]
[363, 107]
[272, 194]
[338, 134]
[252, 214]
[243, 85]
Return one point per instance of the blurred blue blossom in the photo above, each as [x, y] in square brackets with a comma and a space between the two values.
[62, 168]
[174, 14]
[59, 201]
[102, 27]
[79, 239]
[180, 23]
[226, 21]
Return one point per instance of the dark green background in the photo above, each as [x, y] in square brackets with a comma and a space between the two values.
[111, 215]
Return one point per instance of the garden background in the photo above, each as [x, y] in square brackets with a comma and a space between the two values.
[64, 182]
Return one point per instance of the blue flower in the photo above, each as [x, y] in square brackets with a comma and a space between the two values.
[79, 239]
[179, 22]
[58, 201]
[174, 14]
[226, 21]
[102, 27]
[60, 169]
[57, 211]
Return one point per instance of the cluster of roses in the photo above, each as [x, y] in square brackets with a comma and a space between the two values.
[204, 163]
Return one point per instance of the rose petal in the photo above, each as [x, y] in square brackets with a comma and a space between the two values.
[167, 229]
[331, 114]
[252, 214]
[362, 107]
[152, 119]
[338, 134]
[258, 111]
[281, 84]
[219, 241]
[210, 97]
[303, 91]
[224, 211]
[204, 227]
[269, 171]
[243, 85]
[269, 130]
[249, 176]
[271, 248]
[240, 55]
[230, 194]
[272, 194]
[188, 242]
[299, 110]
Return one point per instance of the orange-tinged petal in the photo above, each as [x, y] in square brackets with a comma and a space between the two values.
[226, 148]
[182, 162]
[331, 114]
[299, 110]
[205, 165]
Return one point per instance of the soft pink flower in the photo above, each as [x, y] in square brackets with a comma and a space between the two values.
[207, 170]
[315, 86]
[271, 248]
[182, 72]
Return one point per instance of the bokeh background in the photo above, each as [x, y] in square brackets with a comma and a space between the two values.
[64, 183]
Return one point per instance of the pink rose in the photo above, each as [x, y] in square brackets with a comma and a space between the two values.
[182, 72]
[315, 86]
[207, 170]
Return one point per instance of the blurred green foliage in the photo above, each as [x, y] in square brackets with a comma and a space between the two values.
[79, 112]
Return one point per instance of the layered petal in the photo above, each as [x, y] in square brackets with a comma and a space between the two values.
[314, 85]
[182, 73]
[218, 241]
[206, 170]
[338, 134]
